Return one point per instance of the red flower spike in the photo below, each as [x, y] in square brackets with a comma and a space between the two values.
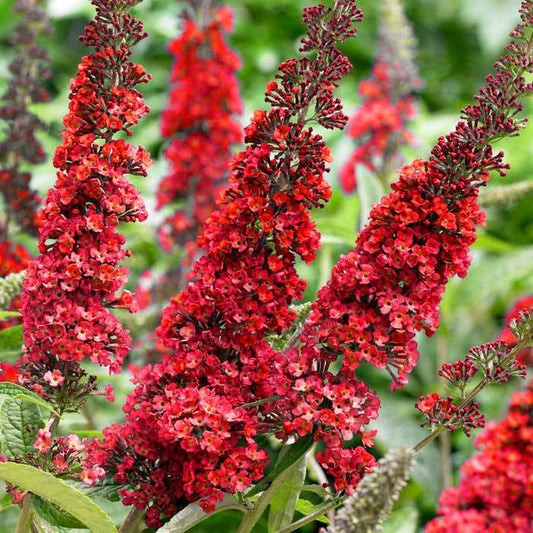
[184, 420]
[200, 121]
[77, 276]
[380, 125]
[495, 492]
[389, 287]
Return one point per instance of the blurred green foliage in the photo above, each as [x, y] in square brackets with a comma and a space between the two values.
[458, 41]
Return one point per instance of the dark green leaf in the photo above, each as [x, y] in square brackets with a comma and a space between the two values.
[19, 421]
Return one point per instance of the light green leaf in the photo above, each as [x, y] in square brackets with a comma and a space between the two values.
[5, 315]
[294, 453]
[59, 493]
[10, 342]
[54, 515]
[283, 503]
[306, 508]
[402, 521]
[369, 190]
[17, 417]
[193, 514]
[5, 502]
[21, 393]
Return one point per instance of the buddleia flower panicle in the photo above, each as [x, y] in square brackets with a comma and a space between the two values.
[372, 502]
[200, 122]
[389, 287]
[20, 146]
[380, 125]
[77, 277]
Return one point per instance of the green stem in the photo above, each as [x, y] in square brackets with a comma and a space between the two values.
[473, 393]
[259, 402]
[26, 516]
[254, 514]
[309, 518]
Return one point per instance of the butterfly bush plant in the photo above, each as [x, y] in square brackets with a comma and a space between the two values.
[252, 389]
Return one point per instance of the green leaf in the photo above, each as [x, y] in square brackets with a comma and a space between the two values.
[369, 190]
[107, 488]
[5, 502]
[294, 453]
[54, 515]
[59, 493]
[16, 417]
[402, 521]
[21, 393]
[5, 315]
[283, 503]
[10, 342]
[193, 514]
[306, 508]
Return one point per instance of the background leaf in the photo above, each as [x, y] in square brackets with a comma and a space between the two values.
[59, 493]
[19, 421]
[10, 343]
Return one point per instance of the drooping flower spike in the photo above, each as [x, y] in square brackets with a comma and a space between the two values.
[69, 289]
[185, 420]
[380, 125]
[200, 122]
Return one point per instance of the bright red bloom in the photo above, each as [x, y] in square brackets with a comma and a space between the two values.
[69, 288]
[380, 125]
[495, 493]
[390, 286]
[185, 419]
[200, 122]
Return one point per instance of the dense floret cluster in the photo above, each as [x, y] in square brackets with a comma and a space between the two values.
[495, 492]
[200, 121]
[187, 416]
[69, 288]
[380, 125]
